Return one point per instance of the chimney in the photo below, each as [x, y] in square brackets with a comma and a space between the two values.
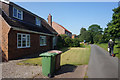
[50, 19]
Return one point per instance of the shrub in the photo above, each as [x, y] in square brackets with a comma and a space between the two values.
[65, 41]
[68, 42]
[76, 43]
[60, 42]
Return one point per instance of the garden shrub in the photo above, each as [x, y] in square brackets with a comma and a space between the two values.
[76, 43]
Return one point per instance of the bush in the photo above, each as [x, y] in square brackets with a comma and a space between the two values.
[60, 42]
[76, 43]
[68, 42]
[65, 41]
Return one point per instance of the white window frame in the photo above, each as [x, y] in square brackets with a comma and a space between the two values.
[44, 38]
[37, 21]
[18, 13]
[26, 35]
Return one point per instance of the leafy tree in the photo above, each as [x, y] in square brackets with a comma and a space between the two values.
[97, 38]
[114, 25]
[95, 31]
[85, 36]
[82, 30]
[105, 36]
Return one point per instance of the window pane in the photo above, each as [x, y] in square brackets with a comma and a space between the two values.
[15, 12]
[19, 15]
[23, 40]
[23, 43]
[24, 35]
[19, 43]
[28, 40]
[38, 21]
[19, 37]
[45, 40]
[19, 11]
[42, 40]
[28, 44]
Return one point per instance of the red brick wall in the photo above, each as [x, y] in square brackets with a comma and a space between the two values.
[4, 37]
[35, 47]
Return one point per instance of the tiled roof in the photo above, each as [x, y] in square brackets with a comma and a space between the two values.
[24, 25]
[62, 27]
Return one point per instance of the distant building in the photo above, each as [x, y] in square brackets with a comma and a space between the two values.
[60, 29]
[74, 36]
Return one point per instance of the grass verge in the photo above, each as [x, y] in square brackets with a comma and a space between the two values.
[74, 56]
[116, 49]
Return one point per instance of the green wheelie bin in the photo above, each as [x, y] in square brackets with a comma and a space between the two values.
[48, 64]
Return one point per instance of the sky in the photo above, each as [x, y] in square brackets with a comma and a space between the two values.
[73, 15]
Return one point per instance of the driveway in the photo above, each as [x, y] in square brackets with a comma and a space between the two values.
[101, 65]
[12, 70]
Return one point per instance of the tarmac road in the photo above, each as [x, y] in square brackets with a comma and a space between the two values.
[101, 64]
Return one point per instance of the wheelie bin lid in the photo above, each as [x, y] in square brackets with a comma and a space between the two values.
[55, 51]
[47, 54]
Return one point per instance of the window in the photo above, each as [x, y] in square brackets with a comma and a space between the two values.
[42, 40]
[17, 14]
[38, 21]
[23, 40]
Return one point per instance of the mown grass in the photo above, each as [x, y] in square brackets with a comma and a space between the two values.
[116, 49]
[32, 61]
[74, 56]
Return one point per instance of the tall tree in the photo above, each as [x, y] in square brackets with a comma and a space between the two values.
[95, 32]
[82, 30]
[84, 35]
[114, 25]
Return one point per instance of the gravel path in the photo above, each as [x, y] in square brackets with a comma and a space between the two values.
[12, 70]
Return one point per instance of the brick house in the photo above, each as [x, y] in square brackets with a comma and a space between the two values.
[60, 29]
[23, 32]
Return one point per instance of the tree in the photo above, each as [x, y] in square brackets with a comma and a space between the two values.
[114, 25]
[85, 36]
[82, 30]
[95, 32]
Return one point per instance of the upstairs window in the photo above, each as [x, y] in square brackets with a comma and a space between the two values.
[43, 41]
[38, 21]
[17, 14]
[23, 40]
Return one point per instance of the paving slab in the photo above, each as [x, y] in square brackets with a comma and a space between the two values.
[69, 71]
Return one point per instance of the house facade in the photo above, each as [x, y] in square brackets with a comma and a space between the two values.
[60, 29]
[23, 32]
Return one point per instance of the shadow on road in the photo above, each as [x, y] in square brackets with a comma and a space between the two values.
[66, 68]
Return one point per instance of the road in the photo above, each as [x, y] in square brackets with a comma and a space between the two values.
[101, 65]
